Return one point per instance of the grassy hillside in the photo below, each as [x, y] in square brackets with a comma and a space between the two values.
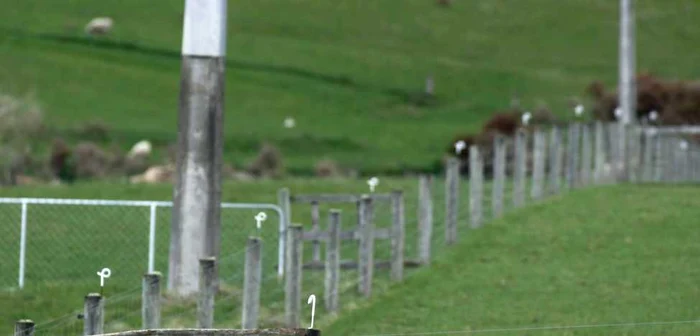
[348, 71]
[599, 256]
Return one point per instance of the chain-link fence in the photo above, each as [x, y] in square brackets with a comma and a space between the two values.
[65, 242]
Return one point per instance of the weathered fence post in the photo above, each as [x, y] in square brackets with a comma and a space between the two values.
[615, 151]
[284, 201]
[207, 292]
[452, 200]
[520, 173]
[333, 262]
[555, 158]
[648, 158]
[476, 183]
[292, 288]
[93, 314]
[425, 218]
[599, 153]
[24, 328]
[539, 154]
[586, 155]
[499, 175]
[315, 227]
[398, 235]
[572, 156]
[366, 253]
[252, 283]
[634, 150]
[151, 300]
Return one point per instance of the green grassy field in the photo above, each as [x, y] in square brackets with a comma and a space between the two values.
[347, 71]
[66, 245]
[598, 256]
[350, 73]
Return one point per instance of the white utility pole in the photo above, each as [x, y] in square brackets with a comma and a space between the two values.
[196, 217]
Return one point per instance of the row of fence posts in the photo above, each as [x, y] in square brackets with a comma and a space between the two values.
[580, 169]
[365, 233]
[94, 304]
[592, 154]
[586, 167]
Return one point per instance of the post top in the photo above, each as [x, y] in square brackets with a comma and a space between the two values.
[154, 274]
[207, 259]
[335, 211]
[93, 295]
[25, 321]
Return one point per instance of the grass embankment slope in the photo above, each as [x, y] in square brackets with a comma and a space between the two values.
[348, 71]
[606, 255]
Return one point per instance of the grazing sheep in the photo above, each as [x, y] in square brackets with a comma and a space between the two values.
[141, 148]
[99, 26]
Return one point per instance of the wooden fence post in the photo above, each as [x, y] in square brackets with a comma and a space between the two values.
[538, 170]
[93, 314]
[315, 227]
[520, 171]
[252, 283]
[150, 301]
[425, 218]
[285, 203]
[207, 292]
[24, 328]
[476, 183]
[572, 156]
[586, 155]
[366, 251]
[398, 235]
[499, 175]
[292, 297]
[555, 160]
[599, 153]
[452, 200]
[333, 262]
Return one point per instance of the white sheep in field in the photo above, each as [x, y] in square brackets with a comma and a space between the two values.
[99, 26]
[141, 148]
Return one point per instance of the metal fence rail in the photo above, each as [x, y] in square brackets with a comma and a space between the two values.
[54, 225]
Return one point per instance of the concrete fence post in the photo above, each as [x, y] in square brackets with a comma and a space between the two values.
[252, 283]
[586, 155]
[520, 173]
[151, 301]
[207, 293]
[398, 235]
[499, 175]
[24, 328]
[425, 218]
[538, 169]
[292, 297]
[555, 160]
[476, 187]
[452, 200]
[332, 279]
[366, 250]
[93, 314]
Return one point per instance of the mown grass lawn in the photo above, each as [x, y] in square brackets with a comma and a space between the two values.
[599, 256]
